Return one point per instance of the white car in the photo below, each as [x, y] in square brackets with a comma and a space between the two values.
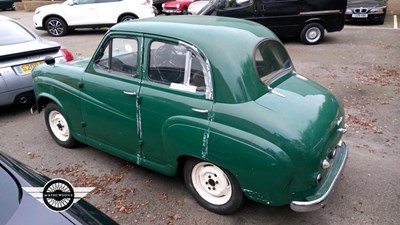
[195, 7]
[58, 19]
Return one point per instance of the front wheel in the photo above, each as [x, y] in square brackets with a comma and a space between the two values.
[312, 33]
[56, 27]
[58, 126]
[212, 187]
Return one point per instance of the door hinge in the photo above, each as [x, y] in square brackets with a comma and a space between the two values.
[83, 124]
[80, 84]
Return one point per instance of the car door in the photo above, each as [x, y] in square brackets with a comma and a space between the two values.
[80, 12]
[109, 88]
[175, 101]
[107, 11]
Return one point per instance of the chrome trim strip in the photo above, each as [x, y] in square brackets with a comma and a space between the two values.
[320, 12]
[307, 206]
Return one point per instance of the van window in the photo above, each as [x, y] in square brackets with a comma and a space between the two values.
[271, 58]
[236, 3]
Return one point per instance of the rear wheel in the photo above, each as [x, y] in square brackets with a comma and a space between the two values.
[127, 18]
[58, 126]
[212, 187]
[56, 27]
[312, 33]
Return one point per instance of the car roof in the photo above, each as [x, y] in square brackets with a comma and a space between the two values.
[5, 18]
[228, 43]
[188, 28]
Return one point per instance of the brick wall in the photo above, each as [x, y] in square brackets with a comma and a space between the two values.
[393, 7]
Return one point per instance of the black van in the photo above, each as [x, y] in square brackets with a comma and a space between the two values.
[305, 18]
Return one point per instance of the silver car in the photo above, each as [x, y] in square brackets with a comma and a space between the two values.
[20, 51]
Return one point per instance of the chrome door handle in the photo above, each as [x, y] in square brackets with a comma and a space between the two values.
[130, 93]
[200, 110]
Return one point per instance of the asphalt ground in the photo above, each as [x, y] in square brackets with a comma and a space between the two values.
[360, 64]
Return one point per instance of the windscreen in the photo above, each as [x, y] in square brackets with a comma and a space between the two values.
[13, 33]
[9, 196]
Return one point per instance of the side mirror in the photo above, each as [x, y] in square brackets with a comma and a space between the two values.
[71, 3]
[49, 60]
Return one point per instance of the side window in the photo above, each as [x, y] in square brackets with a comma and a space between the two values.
[82, 2]
[119, 57]
[229, 4]
[104, 1]
[177, 66]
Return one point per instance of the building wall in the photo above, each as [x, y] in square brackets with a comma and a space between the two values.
[393, 7]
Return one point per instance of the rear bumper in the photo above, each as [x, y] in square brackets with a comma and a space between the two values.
[318, 200]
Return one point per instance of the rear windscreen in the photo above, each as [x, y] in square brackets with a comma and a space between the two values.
[13, 33]
[270, 59]
[9, 196]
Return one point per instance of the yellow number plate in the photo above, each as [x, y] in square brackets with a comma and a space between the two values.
[26, 68]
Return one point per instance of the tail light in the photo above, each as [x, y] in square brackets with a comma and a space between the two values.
[67, 55]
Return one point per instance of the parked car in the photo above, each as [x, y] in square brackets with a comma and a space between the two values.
[20, 51]
[195, 7]
[7, 4]
[177, 7]
[58, 19]
[19, 207]
[366, 10]
[307, 19]
[170, 100]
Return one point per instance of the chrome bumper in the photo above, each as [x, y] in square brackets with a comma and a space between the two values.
[319, 200]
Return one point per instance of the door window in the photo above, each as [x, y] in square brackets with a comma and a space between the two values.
[180, 67]
[119, 57]
[83, 2]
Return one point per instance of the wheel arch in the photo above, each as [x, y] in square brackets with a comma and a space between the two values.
[315, 20]
[246, 160]
[126, 14]
[52, 15]
[43, 99]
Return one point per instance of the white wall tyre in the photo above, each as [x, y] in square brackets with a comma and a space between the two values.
[212, 187]
[58, 126]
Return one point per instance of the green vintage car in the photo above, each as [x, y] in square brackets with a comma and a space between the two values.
[232, 113]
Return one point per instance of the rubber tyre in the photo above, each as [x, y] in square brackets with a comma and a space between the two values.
[205, 181]
[127, 18]
[56, 27]
[184, 11]
[312, 33]
[58, 126]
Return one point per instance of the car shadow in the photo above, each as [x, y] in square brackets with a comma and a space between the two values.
[15, 109]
